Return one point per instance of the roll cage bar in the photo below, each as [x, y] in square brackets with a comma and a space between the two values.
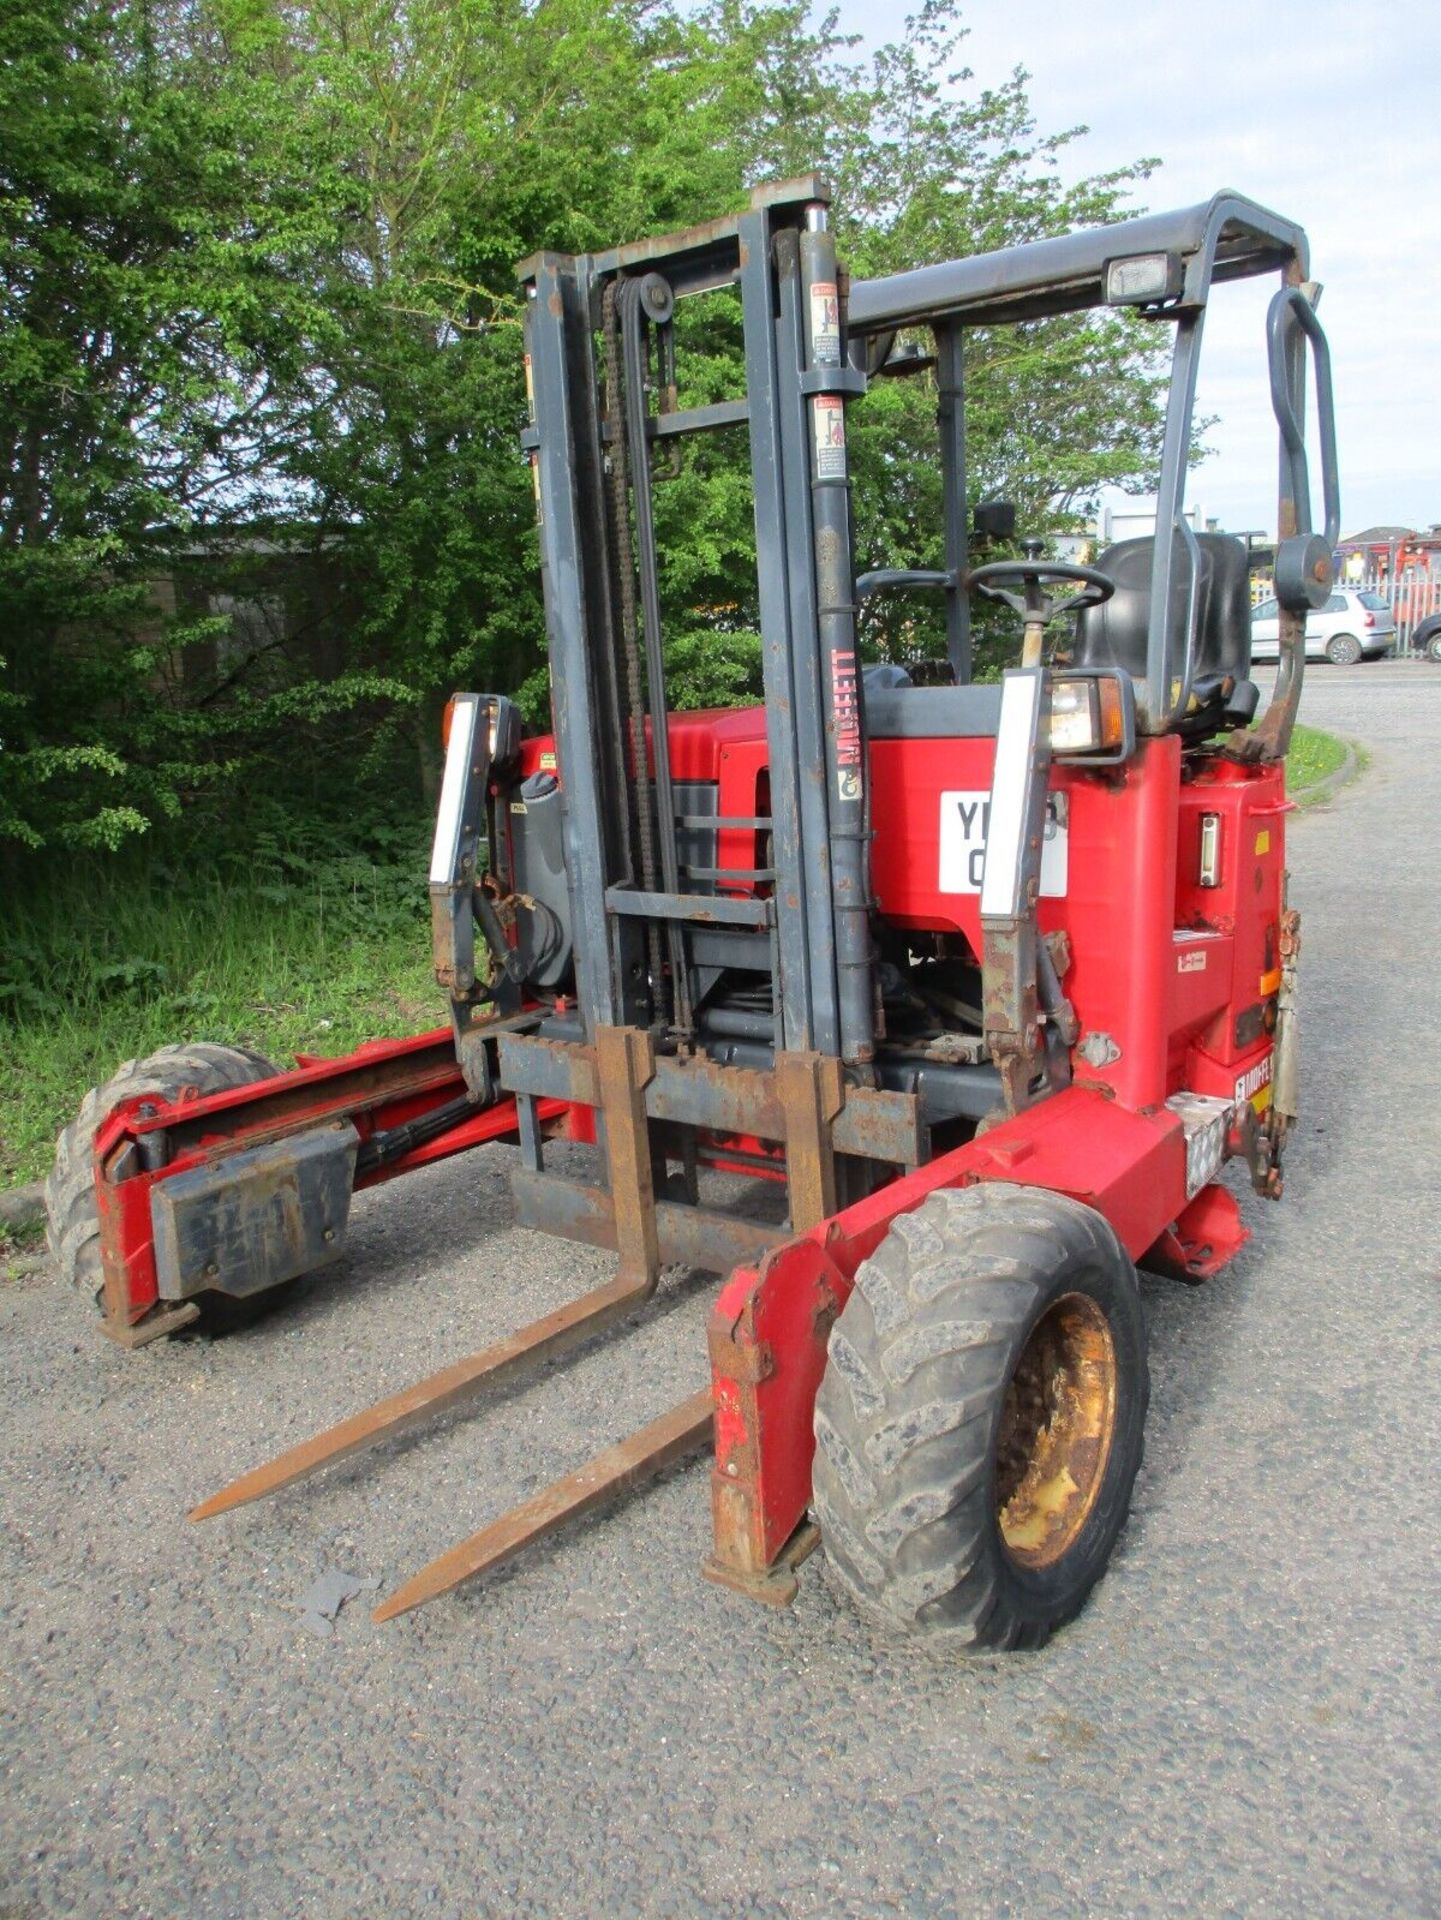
[1225, 238]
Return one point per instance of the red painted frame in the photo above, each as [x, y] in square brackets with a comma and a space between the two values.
[1174, 977]
[383, 1084]
[1175, 982]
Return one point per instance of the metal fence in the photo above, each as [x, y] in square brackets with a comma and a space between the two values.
[1411, 599]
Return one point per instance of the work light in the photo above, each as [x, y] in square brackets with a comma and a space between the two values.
[1143, 279]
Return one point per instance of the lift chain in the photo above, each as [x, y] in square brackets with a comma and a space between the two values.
[618, 482]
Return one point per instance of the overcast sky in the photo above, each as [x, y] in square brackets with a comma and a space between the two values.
[1328, 111]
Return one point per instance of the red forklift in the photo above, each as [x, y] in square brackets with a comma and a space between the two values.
[987, 980]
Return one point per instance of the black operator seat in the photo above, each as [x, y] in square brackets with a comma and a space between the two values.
[1114, 633]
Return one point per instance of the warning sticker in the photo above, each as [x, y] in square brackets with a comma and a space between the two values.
[825, 324]
[829, 418]
[965, 821]
[1255, 1084]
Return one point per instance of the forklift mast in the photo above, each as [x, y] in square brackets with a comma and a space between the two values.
[651, 931]
[599, 338]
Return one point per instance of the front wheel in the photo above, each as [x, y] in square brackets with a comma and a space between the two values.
[1433, 646]
[979, 1425]
[1343, 650]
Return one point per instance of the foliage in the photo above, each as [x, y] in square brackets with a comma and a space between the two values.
[257, 268]
[1055, 409]
[924, 170]
[156, 364]
[308, 933]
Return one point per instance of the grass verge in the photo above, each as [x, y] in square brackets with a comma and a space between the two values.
[1315, 758]
[288, 949]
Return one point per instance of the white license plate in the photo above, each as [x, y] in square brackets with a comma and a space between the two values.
[965, 818]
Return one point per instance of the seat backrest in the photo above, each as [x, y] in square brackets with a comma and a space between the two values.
[1114, 634]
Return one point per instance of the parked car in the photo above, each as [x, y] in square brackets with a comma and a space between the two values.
[1351, 626]
[1427, 637]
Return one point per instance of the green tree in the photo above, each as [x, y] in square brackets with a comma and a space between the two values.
[154, 368]
[256, 263]
[925, 167]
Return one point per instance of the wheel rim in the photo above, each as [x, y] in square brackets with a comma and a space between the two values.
[1055, 1432]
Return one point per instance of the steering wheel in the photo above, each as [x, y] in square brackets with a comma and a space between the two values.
[1030, 574]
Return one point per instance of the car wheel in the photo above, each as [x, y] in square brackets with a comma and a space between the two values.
[1343, 650]
[1433, 646]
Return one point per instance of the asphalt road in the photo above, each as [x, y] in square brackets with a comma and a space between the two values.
[1243, 1721]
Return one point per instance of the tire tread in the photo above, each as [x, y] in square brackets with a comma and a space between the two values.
[905, 1415]
[72, 1224]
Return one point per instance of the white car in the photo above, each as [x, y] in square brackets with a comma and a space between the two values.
[1351, 626]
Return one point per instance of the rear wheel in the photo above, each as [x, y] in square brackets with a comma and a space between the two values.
[979, 1425]
[1433, 646]
[1343, 650]
[72, 1220]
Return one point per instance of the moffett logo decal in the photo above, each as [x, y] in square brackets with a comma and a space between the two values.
[1250, 1083]
[848, 724]
[965, 821]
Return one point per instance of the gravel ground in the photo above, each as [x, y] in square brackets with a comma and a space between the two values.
[1242, 1722]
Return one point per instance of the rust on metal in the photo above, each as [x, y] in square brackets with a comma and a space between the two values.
[725, 1099]
[690, 1236]
[775, 1585]
[746, 1363]
[628, 1464]
[542, 1340]
[156, 1324]
[625, 1063]
[1055, 1433]
[871, 1122]
[812, 1093]
[878, 1125]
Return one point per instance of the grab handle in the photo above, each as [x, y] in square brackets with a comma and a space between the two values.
[1303, 558]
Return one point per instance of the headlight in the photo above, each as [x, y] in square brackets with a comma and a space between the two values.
[1086, 715]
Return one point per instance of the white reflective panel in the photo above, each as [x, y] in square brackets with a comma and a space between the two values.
[964, 819]
[1206, 1121]
[1010, 787]
[448, 823]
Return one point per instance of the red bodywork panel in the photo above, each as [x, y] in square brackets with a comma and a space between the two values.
[1162, 967]
[770, 1326]
[1174, 983]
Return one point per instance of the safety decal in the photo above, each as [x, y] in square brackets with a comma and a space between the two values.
[825, 324]
[828, 412]
[1250, 1083]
